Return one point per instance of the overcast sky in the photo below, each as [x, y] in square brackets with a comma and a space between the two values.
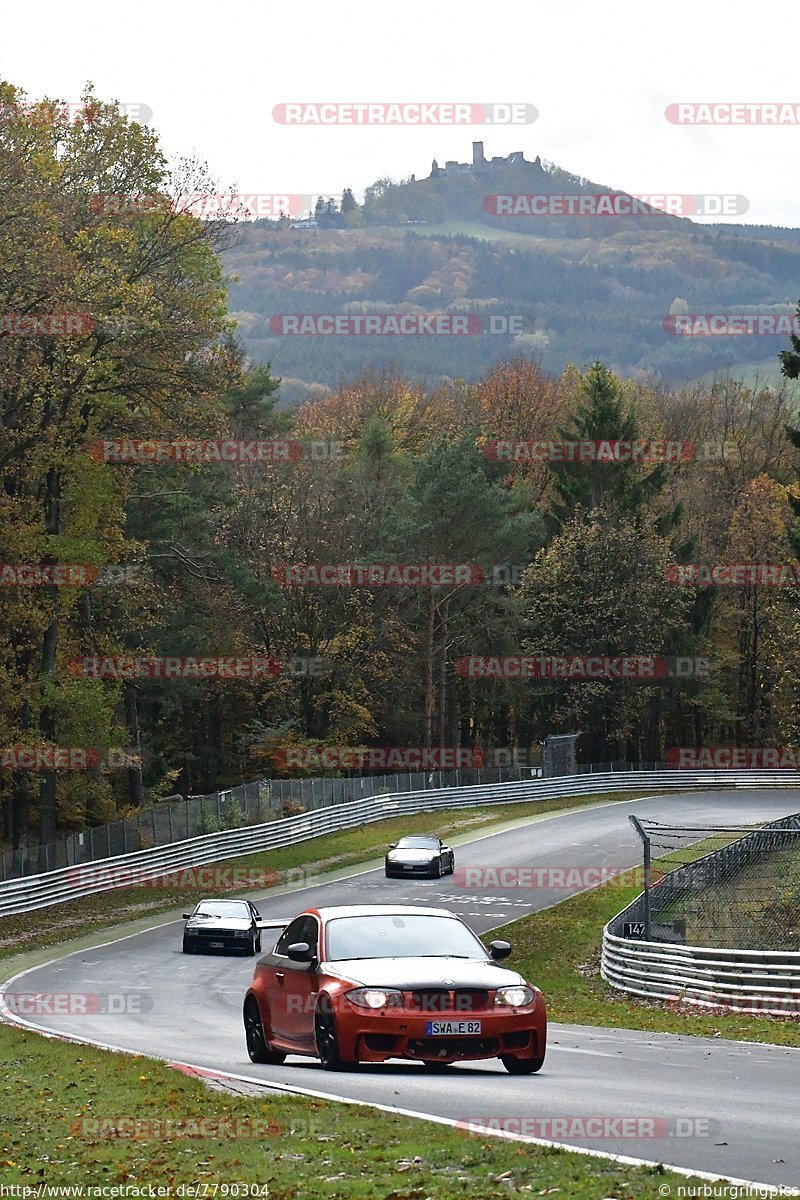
[600, 77]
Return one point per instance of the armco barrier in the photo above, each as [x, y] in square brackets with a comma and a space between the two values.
[179, 818]
[39, 891]
[762, 981]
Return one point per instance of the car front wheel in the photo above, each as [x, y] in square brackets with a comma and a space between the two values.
[328, 1042]
[257, 1045]
[522, 1066]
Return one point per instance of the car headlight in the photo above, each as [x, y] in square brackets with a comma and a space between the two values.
[515, 996]
[391, 854]
[376, 997]
[193, 932]
[241, 933]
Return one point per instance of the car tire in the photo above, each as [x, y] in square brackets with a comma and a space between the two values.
[258, 945]
[253, 946]
[327, 1040]
[187, 949]
[522, 1066]
[257, 1045]
[436, 871]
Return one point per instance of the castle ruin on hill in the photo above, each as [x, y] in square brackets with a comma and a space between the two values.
[479, 162]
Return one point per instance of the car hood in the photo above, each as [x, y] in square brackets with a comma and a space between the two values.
[412, 856]
[407, 973]
[218, 923]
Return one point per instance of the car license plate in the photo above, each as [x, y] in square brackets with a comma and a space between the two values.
[407, 867]
[452, 1028]
[217, 945]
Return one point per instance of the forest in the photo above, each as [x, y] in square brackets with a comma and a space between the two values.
[135, 548]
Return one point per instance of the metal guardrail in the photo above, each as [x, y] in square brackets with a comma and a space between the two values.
[763, 981]
[40, 891]
[179, 818]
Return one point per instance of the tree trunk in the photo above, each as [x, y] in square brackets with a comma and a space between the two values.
[134, 771]
[443, 676]
[21, 810]
[47, 716]
[429, 670]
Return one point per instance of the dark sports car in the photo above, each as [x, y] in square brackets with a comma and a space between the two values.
[366, 983]
[419, 856]
[223, 925]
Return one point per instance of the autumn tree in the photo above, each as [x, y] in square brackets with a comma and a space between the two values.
[145, 299]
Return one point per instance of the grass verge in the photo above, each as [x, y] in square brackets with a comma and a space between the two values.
[559, 950]
[64, 1101]
[46, 927]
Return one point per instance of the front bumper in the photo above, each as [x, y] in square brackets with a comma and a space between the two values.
[219, 940]
[401, 870]
[375, 1037]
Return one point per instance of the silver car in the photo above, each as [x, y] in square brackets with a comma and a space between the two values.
[419, 856]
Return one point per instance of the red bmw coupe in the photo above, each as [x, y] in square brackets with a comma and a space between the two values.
[366, 983]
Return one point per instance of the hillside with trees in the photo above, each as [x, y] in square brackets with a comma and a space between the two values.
[562, 288]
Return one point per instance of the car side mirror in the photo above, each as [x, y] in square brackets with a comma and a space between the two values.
[392, 845]
[499, 950]
[300, 952]
[186, 916]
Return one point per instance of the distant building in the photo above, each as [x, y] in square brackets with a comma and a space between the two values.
[479, 162]
[309, 224]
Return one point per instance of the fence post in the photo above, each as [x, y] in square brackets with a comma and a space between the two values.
[647, 873]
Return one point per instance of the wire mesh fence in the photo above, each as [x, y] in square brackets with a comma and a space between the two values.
[176, 818]
[733, 886]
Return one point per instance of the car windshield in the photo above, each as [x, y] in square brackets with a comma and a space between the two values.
[417, 843]
[223, 908]
[391, 935]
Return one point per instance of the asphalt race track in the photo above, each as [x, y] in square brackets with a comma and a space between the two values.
[747, 1092]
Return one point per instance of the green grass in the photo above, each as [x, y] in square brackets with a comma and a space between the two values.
[46, 927]
[296, 1146]
[758, 908]
[559, 951]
